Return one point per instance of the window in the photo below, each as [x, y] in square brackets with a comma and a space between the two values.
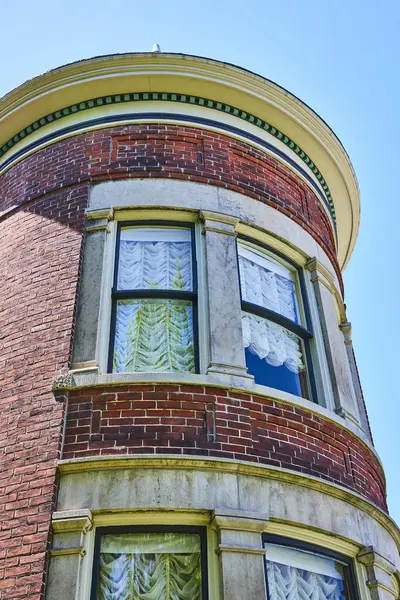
[153, 325]
[152, 563]
[299, 573]
[274, 336]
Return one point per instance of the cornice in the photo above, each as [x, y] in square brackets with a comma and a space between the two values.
[175, 97]
[232, 86]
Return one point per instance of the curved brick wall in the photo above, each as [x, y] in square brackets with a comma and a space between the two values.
[202, 421]
[155, 150]
[42, 202]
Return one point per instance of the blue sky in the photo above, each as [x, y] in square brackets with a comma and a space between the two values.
[341, 58]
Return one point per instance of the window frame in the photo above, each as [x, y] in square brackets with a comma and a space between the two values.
[351, 579]
[188, 295]
[305, 333]
[184, 529]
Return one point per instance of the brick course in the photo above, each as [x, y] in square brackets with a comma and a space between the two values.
[169, 151]
[191, 420]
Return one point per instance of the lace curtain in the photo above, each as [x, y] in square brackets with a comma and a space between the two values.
[150, 567]
[272, 342]
[262, 284]
[291, 583]
[153, 336]
[155, 264]
[267, 288]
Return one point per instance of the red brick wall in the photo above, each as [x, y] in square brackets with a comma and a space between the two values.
[177, 152]
[192, 420]
[39, 261]
[42, 200]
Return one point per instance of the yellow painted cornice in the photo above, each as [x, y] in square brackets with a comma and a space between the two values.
[179, 73]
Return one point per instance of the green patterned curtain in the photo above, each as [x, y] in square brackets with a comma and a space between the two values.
[150, 567]
[154, 336]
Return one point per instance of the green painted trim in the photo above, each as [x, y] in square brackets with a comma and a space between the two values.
[172, 97]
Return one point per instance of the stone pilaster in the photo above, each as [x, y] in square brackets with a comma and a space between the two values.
[85, 339]
[226, 341]
[380, 571]
[346, 329]
[68, 551]
[241, 554]
[336, 354]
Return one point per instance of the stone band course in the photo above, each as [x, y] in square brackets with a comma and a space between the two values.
[202, 421]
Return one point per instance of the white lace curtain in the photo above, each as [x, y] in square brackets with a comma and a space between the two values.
[150, 567]
[155, 259]
[266, 283]
[300, 575]
[269, 284]
[291, 583]
[272, 342]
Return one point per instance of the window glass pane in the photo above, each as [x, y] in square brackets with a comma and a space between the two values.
[155, 258]
[153, 336]
[152, 566]
[274, 355]
[295, 574]
[267, 283]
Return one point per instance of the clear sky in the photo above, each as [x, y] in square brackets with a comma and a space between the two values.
[342, 58]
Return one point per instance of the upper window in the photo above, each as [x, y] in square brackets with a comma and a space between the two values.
[154, 300]
[274, 336]
[149, 563]
[295, 574]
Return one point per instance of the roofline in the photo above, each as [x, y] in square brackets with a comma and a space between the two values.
[182, 54]
[296, 122]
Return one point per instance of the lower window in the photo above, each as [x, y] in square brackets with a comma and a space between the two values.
[297, 572]
[150, 564]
